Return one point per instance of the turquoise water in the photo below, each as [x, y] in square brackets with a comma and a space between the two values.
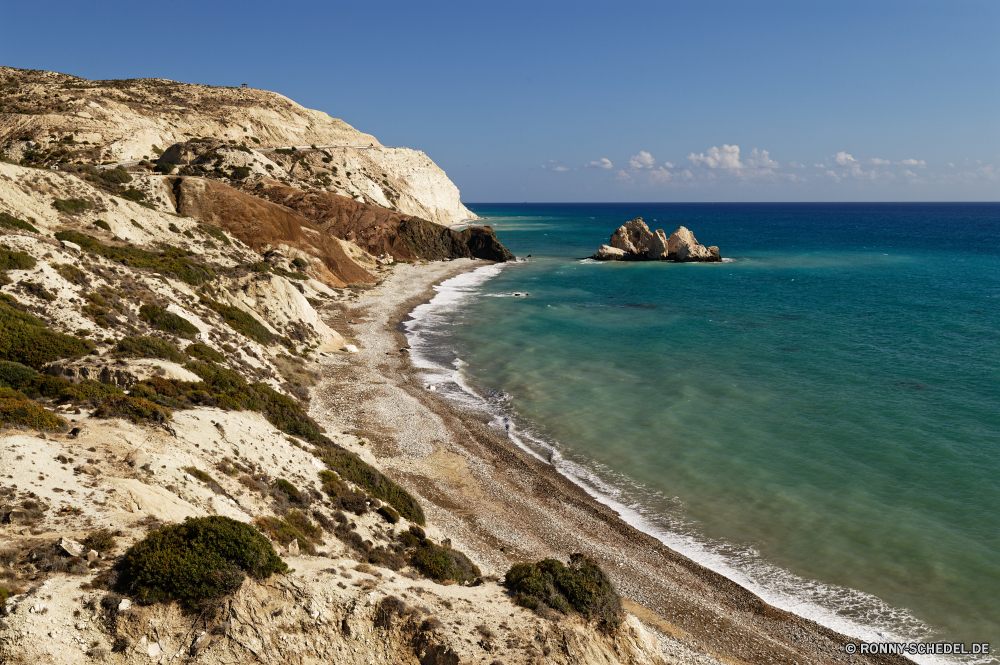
[818, 418]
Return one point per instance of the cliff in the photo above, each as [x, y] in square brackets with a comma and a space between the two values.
[42, 113]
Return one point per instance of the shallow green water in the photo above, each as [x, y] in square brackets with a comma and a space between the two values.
[818, 419]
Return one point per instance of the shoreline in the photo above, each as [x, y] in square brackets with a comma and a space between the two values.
[502, 505]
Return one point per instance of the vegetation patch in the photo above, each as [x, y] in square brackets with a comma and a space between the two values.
[172, 261]
[72, 206]
[166, 321]
[101, 540]
[242, 322]
[294, 526]
[15, 375]
[22, 412]
[580, 587]
[290, 491]
[215, 232]
[352, 468]
[11, 260]
[26, 340]
[200, 351]
[11, 222]
[197, 562]
[147, 347]
[87, 391]
[135, 409]
[117, 176]
[101, 224]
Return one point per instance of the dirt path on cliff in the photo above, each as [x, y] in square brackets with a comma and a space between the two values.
[502, 505]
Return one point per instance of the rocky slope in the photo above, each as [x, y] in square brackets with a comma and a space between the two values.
[48, 119]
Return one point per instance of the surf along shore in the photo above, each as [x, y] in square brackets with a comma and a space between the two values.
[501, 505]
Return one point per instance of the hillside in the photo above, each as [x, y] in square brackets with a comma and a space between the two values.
[47, 119]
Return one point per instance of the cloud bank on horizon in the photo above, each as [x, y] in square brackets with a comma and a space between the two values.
[717, 164]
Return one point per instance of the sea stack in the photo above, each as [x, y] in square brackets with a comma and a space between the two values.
[633, 241]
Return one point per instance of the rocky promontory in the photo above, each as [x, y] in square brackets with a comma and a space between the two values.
[633, 241]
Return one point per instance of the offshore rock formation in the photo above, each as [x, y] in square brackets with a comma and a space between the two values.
[633, 241]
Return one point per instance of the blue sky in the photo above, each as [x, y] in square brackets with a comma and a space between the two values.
[587, 101]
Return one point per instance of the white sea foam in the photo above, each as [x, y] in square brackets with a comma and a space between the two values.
[849, 611]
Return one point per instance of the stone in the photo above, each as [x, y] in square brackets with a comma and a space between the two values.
[139, 459]
[125, 605]
[657, 246]
[71, 547]
[682, 236]
[293, 548]
[89, 469]
[154, 650]
[350, 348]
[609, 253]
[66, 244]
[93, 556]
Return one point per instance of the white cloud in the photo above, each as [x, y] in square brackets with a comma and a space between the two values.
[669, 165]
[558, 169]
[951, 165]
[908, 172]
[760, 159]
[621, 175]
[643, 160]
[553, 161]
[603, 163]
[912, 162]
[561, 168]
[843, 159]
[726, 157]
[879, 162]
[820, 166]
[796, 165]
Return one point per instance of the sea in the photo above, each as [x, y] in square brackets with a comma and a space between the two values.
[817, 417]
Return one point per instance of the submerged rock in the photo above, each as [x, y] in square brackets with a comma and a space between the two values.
[633, 241]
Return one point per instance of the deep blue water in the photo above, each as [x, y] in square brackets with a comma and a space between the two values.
[818, 418]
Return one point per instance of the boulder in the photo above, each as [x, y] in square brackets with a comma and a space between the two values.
[293, 548]
[609, 253]
[633, 237]
[657, 246]
[683, 247]
[483, 244]
[71, 547]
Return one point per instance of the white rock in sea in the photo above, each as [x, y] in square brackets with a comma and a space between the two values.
[609, 253]
[657, 246]
[633, 237]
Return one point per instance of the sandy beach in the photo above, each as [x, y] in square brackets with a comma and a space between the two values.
[502, 505]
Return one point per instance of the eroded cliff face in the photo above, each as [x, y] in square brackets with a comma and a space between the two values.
[51, 118]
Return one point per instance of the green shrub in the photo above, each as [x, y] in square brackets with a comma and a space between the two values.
[295, 526]
[118, 176]
[579, 587]
[101, 540]
[242, 322]
[133, 194]
[4, 594]
[88, 391]
[136, 409]
[390, 515]
[161, 319]
[285, 413]
[11, 222]
[147, 347]
[101, 224]
[300, 263]
[240, 172]
[289, 490]
[199, 474]
[200, 351]
[352, 468]
[165, 168]
[215, 232]
[26, 413]
[10, 260]
[197, 562]
[24, 339]
[15, 375]
[71, 273]
[72, 206]
[172, 261]
[442, 564]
